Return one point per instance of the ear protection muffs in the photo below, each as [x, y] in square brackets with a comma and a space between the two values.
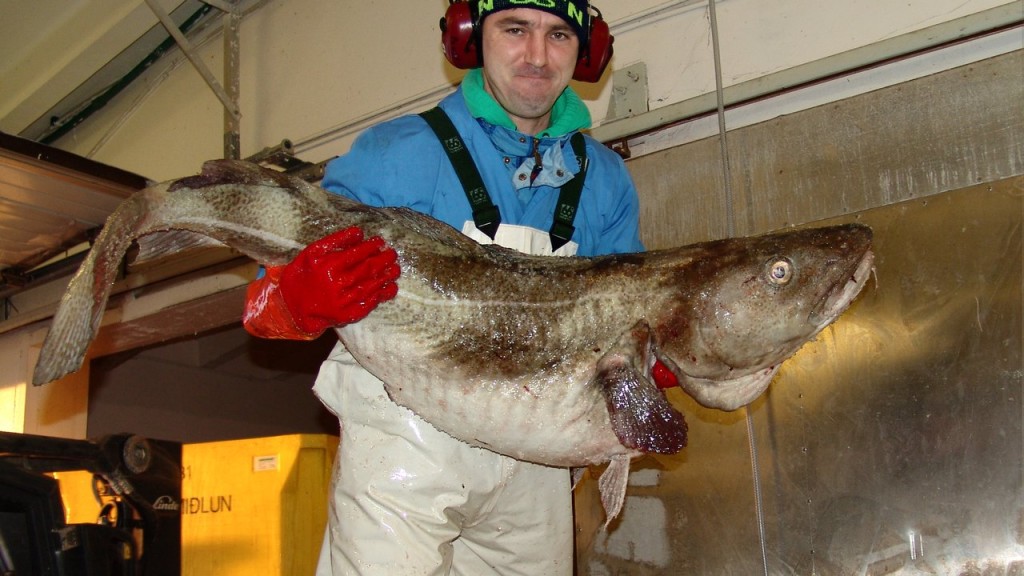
[458, 36]
[594, 57]
[460, 41]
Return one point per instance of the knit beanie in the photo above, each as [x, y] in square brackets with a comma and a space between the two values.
[575, 12]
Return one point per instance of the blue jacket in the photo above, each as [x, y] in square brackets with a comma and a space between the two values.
[401, 163]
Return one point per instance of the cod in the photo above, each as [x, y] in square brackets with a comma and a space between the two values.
[542, 359]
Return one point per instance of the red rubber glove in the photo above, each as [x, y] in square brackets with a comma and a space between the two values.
[662, 376]
[334, 281]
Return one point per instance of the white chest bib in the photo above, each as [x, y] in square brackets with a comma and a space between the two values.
[520, 238]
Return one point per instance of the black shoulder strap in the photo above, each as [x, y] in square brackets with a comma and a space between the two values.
[569, 198]
[485, 214]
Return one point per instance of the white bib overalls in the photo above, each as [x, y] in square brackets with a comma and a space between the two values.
[408, 499]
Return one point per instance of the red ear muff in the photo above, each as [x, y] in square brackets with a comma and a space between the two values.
[596, 54]
[458, 37]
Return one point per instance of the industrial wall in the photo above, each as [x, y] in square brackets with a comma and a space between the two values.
[318, 71]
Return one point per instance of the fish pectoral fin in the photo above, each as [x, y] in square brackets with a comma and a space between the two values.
[641, 416]
[612, 485]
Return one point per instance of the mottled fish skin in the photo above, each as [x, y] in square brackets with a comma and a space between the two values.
[542, 359]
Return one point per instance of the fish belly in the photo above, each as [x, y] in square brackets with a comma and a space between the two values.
[557, 419]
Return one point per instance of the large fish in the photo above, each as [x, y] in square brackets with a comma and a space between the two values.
[539, 358]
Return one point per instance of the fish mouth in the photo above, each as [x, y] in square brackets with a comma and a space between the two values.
[842, 294]
[731, 394]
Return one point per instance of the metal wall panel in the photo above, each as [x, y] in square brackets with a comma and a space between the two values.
[890, 445]
[932, 135]
[894, 443]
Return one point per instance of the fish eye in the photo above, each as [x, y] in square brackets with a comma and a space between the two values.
[780, 271]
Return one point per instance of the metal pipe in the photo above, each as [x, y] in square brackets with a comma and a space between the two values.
[186, 48]
[270, 153]
[226, 6]
[232, 124]
[730, 213]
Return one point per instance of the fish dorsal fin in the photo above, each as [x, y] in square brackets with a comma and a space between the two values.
[641, 417]
[233, 172]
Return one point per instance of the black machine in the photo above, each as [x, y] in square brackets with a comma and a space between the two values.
[138, 530]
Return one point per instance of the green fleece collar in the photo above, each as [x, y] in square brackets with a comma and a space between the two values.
[568, 114]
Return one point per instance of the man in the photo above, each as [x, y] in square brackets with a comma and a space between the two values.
[407, 498]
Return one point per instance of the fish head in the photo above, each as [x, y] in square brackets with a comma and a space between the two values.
[754, 302]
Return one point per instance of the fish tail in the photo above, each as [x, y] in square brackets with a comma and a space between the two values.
[80, 311]
[264, 214]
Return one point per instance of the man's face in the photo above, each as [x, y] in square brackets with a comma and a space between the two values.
[529, 58]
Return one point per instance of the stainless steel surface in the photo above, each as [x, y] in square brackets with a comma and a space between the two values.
[891, 445]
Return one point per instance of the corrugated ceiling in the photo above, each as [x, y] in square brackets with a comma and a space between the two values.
[51, 200]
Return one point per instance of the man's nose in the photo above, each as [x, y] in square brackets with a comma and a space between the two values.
[537, 50]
